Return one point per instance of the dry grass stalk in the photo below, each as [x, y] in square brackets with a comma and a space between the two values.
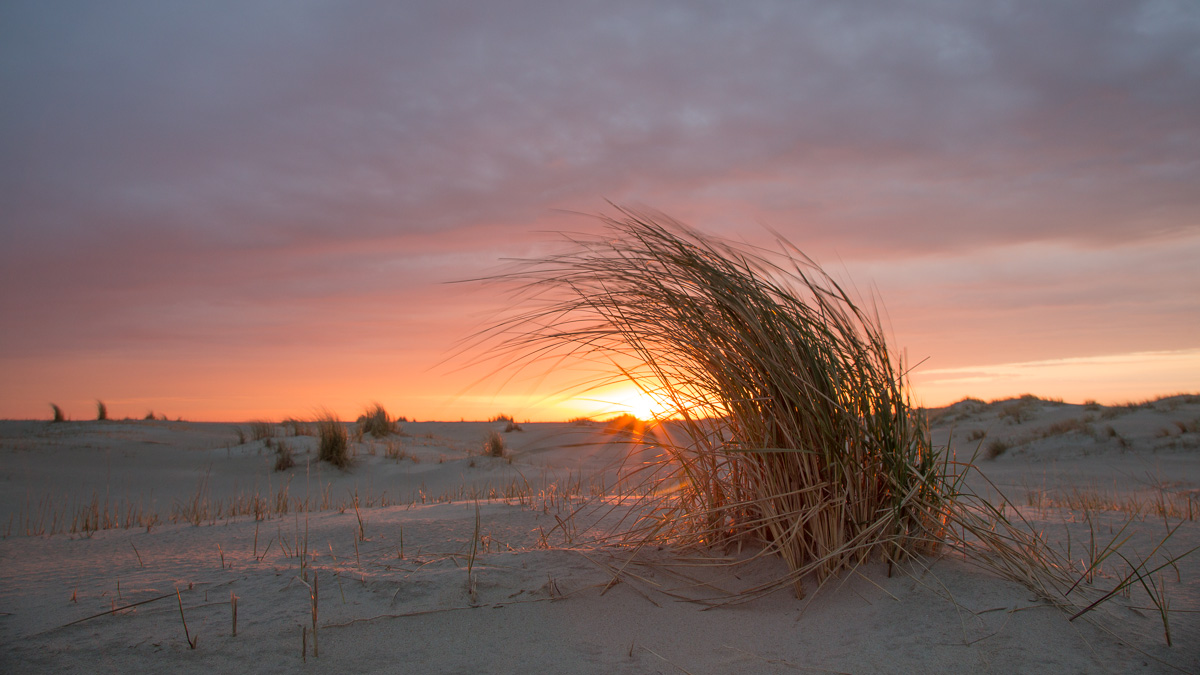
[190, 640]
[471, 585]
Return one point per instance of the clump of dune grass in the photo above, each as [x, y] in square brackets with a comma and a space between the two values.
[376, 422]
[333, 441]
[795, 427]
[58, 413]
[493, 444]
[101, 411]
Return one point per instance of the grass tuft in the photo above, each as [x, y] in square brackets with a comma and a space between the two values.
[333, 446]
[493, 444]
[376, 422]
[101, 411]
[58, 413]
[295, 427]
[794, 425]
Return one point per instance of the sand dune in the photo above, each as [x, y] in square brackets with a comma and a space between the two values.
[455, 562]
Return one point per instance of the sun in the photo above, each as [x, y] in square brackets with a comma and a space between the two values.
[629, 398]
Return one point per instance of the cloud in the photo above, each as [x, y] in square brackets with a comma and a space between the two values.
[202, 167]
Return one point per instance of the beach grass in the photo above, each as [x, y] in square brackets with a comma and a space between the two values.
[376, 422]
[493, 444]
[792, 423]
[333, 445]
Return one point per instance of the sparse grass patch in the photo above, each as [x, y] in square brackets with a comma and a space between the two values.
[261, 430]
[334, 446]
[283, 457]
[295, 427]
[512, 426]
[1016, 411]
[976, 435]
[394, 450]
[1063, 427]
[996, 448]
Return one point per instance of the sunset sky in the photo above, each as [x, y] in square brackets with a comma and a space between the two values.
[227, 211]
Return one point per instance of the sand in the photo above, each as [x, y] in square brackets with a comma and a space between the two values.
[454, 562]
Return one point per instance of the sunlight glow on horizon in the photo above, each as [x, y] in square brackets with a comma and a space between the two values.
[1108, 379]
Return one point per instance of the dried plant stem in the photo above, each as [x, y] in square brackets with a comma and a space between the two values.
[190, 640]
[118, 609]
[315, 601]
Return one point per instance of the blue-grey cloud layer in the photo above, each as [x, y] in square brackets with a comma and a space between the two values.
[155, 153]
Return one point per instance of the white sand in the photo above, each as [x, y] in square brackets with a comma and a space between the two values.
[540, 609]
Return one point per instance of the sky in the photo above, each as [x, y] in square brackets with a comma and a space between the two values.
[240, 210]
